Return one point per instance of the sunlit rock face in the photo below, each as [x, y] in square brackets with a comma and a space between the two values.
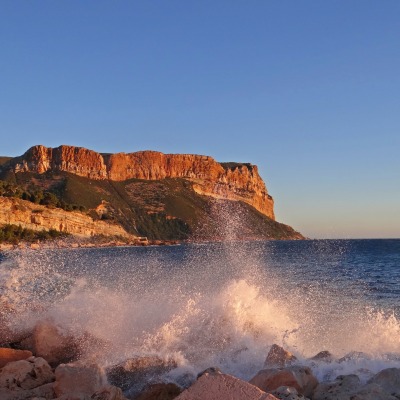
[232, 181]
[36, 217]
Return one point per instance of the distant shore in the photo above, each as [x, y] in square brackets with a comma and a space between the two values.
[68, 244]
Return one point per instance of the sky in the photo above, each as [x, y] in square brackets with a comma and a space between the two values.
[307, 90]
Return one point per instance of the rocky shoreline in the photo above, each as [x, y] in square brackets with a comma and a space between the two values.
[84, 244]
[48, 364]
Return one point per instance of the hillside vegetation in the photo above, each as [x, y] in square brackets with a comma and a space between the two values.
[167, 209]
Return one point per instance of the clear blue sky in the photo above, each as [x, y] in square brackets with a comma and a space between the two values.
[307, 90]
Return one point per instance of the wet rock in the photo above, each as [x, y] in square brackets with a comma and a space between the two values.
[78, 380]
[389, 380]
[287, 393]
[160, 391]
[223, 387]
[108, 393]
[299, 377]
[343, 388]
[210, 371]
[51, 343]
[279, 357]
[8, 355]
[44, 392]
[324, 356]
[139, 369]
[354, 355]
[372, 391]
[26, 374]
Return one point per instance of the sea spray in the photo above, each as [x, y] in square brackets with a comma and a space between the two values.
[221, 304]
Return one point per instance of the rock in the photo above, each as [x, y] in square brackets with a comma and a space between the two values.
[279, 357]
[108, 393]
[39, 217]
[52, 344]
[389, 380]
[78, 379]
[372, 391]
[299, 377]
[8, 355]
[234, 181]
[210, 371]
[26, 374]
[44, 392]
[223, 387]
[343, 388]
[287, 393]
[355, 355]
[160, 391]
[134, 370]
[324, 356]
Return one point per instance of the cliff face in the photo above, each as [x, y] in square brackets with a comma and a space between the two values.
[210, 178]
[36, 217]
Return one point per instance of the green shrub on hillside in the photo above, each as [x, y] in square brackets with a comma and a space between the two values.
[14, 234]
[37, 196]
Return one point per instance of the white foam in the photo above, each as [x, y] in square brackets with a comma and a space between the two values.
[227, 314]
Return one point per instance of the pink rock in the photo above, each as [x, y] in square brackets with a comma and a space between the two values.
[43, 392]
[299, 377]
[52, 344]
[9, 355]
[389, 380]
[26, 374]
[223, 387]
[373, 391]
[342, 388]
[279, 357]
[138, 369]
[78, 379]
[109, 393]
[164, 391]
[323, 356]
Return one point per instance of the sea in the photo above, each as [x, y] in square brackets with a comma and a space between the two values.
[217, 304]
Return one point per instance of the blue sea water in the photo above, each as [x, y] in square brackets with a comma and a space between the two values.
[218, 304]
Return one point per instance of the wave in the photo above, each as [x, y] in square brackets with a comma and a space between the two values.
[215, 305]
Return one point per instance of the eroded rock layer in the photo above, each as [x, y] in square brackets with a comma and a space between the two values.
[36, 217]
[231, 181]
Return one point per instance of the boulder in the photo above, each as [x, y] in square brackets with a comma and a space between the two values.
[51, 343]
[108, 393]
[8, 355]
[343, 388]
[139, 369]
[355, 355]
[389, 380]
[278, 357]
[223, 387]
[372, 391]
[210, 371]
[44, 392]
[299, 377]
[160, 391]
[78, 380]
[287, 393]
[26, 374]
[324, 356]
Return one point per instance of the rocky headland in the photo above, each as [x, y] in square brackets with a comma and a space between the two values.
[146, 194]
[232, 181]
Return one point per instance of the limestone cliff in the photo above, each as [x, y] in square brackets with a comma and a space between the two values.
[230, 181]
[36, 217]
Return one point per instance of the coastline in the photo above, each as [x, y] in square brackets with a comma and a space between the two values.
[65, 244]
